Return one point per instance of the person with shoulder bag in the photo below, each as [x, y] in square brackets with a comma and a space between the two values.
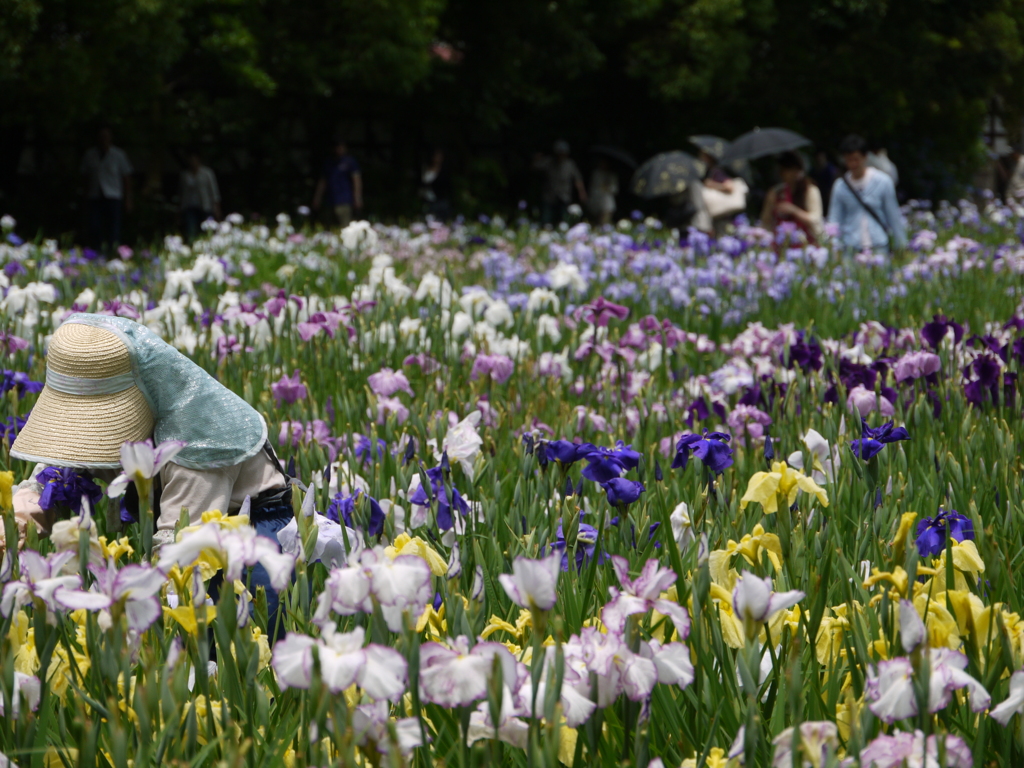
[864, 205]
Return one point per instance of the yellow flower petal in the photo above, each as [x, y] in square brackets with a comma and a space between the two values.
[762, 488]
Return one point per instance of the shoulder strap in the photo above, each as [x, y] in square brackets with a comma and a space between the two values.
[865, 206]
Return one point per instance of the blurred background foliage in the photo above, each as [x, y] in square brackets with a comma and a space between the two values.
[260, 86]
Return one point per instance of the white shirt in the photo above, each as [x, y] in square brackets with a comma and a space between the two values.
[1015, 187]
[604, 185]
[105, 173]
[859, 185]
[199, 189]
[881, 161]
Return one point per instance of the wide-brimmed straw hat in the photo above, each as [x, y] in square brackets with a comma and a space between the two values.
[90, 405]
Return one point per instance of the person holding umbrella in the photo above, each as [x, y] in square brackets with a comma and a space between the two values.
[796, 200]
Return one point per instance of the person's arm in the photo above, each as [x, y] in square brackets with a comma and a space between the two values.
[197, 490]
[357, 190]
[837, 202]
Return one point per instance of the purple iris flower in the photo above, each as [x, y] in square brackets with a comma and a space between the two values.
[934, 332]
[601, 311]
[11, 426]
[64, 488]
[342, 507]
[622, 492]
[364, 450]
[872, 440]
[931, 531]
[19, 381]
[288, 390]
[498, 367]
[805, 353]
[586, 546]
[422, 497]
[566, 452]
[605, 464]
[712, 448]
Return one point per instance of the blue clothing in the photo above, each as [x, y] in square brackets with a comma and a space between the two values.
[858, 229]
[338, 172]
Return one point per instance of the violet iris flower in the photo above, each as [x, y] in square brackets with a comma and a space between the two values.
[566, 452]
[931, 531]
[934, 332]
[342, 507]
[19, 381]
[422, 497]
[622, 492]
[63, 487]
[602, 310]
[586, 546]
[364, 451]
[712, 448]
[872, 440]
[605, 464]
[288, 390]
[498, 367]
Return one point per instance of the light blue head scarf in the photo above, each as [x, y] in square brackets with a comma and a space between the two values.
[219, 428]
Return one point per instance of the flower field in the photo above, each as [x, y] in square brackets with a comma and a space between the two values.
[583, 497]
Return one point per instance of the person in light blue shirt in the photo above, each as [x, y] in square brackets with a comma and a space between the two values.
[864, 205]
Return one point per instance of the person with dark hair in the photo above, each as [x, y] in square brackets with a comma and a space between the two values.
[864, 204]
[797, 199]
[108, 179]
[343, 182]
[200, 196]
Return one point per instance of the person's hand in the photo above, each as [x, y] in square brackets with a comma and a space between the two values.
[788, 209]
[727, 187]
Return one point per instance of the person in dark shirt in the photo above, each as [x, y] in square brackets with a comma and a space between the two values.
[343, 183]
[824, 174]
[436, 187]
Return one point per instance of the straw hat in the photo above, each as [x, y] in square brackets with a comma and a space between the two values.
[90, 405]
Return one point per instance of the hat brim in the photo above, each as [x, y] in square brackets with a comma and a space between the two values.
[83, 431]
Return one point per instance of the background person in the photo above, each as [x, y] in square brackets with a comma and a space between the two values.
[436, 187]
[561, 176]
[343, 182]
[797, 199]
[108, 189]
[824, 172]
[200, 196]
[604, 185]
[864, 204]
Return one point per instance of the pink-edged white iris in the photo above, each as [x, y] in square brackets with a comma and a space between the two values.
[40, 578]
[344, 661]
[134, 586]
[533, 583]
[142, 461]
[641, 595]
[239, 547]
[456, 675]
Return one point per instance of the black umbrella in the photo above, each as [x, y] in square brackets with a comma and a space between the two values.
[614, 153]
[666, 174]
[713, 145]
[762, 142]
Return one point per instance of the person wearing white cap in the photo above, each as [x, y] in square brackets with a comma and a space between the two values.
[110, 380]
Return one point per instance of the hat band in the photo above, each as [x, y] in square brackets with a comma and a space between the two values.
[77, 385]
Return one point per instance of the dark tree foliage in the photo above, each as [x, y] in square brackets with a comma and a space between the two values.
[260, 86]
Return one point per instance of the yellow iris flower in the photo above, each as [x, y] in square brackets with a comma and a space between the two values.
[750, 547]
[783, 482]
[405, 544]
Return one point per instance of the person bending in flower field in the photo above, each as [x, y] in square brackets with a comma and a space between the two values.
[110, 380]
